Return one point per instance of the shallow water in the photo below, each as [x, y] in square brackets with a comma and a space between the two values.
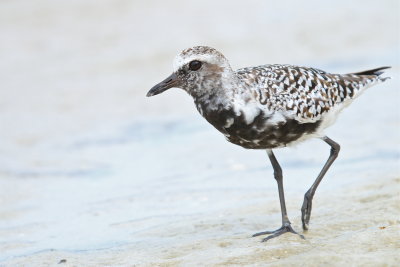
[93, 172]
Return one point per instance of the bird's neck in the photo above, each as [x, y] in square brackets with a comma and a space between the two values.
[234, 99]
[219, 94]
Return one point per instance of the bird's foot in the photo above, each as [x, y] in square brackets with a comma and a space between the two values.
[306, 210]
[286, 228]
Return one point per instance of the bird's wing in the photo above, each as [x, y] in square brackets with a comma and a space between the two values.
[305, 94]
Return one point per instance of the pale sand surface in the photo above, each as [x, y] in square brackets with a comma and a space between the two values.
[93, 172]
[364, 233]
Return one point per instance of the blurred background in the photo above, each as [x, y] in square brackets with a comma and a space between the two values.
[90, 166]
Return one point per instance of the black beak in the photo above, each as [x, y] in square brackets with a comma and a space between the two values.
[171, 81]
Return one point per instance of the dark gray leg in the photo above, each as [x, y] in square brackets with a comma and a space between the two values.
[286, 227]
[307, 204]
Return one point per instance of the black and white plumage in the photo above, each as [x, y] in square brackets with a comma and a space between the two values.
[268, 106]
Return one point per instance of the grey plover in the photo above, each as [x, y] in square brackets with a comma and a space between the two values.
[268, 107]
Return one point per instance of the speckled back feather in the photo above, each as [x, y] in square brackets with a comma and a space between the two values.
[305, 93]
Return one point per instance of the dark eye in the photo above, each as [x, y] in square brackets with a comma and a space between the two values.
[194, 65]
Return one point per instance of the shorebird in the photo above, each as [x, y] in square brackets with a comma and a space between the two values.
[268, 107]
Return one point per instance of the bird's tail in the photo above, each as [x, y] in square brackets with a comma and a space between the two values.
[374, 72]
[352, 84]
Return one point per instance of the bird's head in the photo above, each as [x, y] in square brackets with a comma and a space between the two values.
[197, 70]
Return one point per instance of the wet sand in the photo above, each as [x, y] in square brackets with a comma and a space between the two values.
[361, 230]
[94, 173]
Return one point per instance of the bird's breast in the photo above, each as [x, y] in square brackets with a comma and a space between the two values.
[264, 130]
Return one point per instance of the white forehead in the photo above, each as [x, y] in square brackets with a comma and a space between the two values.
[201, 53]
[181, 61]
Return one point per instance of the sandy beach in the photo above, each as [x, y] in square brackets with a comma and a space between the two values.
[93, 173]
